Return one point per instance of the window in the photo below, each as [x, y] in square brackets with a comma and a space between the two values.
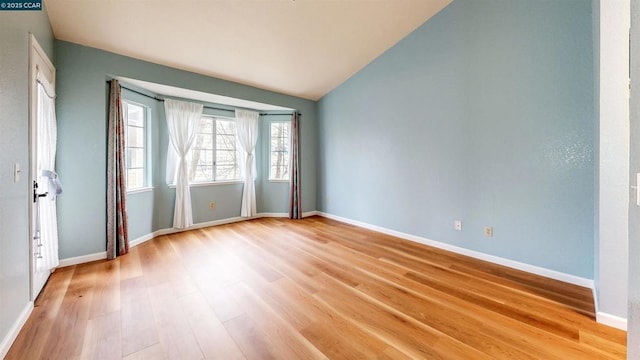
[279, 152]
[136, 145]
[215, 153]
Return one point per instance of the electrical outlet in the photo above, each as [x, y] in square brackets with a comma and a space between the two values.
[488, 231]
[212, 205]
[457, 225]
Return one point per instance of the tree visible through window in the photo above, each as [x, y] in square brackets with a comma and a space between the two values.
[136, 150]
[279, 153]
[215, 152]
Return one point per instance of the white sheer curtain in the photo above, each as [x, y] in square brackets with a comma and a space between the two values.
[183, 121]
[247, 134]
[47, 178]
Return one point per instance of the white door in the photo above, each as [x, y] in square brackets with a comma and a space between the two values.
[44, 232]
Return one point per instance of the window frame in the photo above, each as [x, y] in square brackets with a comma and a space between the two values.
[271, 178]
[146, 165]
[214, 180]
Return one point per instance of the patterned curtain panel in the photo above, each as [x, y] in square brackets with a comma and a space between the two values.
[117, 229]
[295, 195]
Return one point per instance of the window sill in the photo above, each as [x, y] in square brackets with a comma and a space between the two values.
[279, 180]
[140, 190]
[211, 183]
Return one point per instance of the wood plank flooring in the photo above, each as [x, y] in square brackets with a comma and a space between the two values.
[307, 289]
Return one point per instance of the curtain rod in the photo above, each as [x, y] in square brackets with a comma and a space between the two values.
[205, 106]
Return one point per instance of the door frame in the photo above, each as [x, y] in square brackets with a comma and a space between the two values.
[38, 61]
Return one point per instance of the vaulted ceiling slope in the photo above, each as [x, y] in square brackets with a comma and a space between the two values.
[302, 48]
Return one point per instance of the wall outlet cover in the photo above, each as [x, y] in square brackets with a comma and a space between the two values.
[488, 231]
[457, 224]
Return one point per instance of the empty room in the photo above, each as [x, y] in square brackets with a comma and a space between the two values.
[319, 179]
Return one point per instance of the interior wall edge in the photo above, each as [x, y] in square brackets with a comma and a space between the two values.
[611, 320]
[11, 336]
[82, 259]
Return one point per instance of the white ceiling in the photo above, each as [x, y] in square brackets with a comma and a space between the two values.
[302, 48]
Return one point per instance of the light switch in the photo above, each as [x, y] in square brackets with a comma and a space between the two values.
[16, 173]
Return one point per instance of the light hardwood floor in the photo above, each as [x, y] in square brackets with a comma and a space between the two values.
[307, 289]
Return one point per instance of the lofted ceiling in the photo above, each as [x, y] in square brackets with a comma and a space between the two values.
[302, 48]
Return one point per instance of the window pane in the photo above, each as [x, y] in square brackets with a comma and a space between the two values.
[226, 150]
[206, 157]
[214, 156]
[135, 136]
[280, 144]
[226, 142]
[203, 141]
[226, 157]
[135, 158]
[135, 114]
[206, 125]
[202, 153]
[226, 127]
[135, 153]
[135, 178]
[279, 159]
[279, 173]
[279, 151]
[203, 173]
[226, 172]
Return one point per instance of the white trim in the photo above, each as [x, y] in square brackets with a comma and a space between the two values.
[144, 238]
[603, 318]
[572, 279]
[310, 213]
[216, 183]
[210, 183]
[568, 278]
[611, 320]
[139, 190]
[13, 332]
[272, 215]
[83, 259]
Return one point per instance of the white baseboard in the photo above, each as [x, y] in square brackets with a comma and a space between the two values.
[604, 318]
[145, 238]
[572, 279]
[11, 336]
[271, 215]
[82, 259]
[142, 239]
[611, 320]
[568, 278]
[601, 317]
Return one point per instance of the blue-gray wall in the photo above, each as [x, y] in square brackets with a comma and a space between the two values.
[485, 114]
[152, 209]
[82, 112]
[595, 7]
[15, 27]
[633, 314]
